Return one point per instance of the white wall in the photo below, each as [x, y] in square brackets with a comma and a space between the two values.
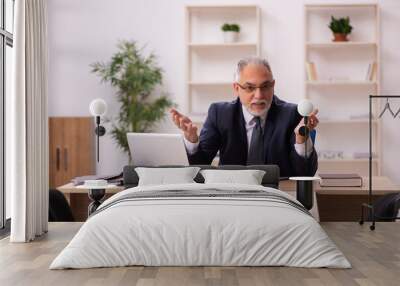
[84, 31]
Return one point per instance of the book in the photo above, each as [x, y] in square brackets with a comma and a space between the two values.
[362, 155]
[360, 116]
[371, 72]
[311, 71]
[367, 76]
[340, 180]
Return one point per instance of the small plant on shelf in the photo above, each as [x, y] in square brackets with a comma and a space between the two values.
[231, 32]
[340, 28]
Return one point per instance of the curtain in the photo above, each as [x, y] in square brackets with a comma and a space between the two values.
[29, 123]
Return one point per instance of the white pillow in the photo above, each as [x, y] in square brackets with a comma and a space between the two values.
[163, 176]
[248, 177]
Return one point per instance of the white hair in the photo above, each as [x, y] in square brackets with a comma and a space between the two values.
[250, 60]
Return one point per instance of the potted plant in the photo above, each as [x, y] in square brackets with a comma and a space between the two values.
[135, 77]
[231, 32]
[340, 28]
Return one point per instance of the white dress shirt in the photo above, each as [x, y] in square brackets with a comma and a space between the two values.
[250, 124]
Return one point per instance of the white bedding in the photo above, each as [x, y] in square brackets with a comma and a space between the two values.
[200, 231]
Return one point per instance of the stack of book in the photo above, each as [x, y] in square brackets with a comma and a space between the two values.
[340, 180]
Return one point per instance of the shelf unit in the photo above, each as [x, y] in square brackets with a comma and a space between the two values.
[342, 89]
[210, 61]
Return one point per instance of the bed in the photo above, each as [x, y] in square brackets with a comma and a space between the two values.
[201, 224]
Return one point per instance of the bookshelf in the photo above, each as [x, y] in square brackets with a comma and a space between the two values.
[341, 86]
[210, 61]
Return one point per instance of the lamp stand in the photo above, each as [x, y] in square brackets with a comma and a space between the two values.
[304, 185]
[100, 131]
[304, 193]
[96, 195]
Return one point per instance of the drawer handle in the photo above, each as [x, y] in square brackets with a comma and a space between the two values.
[65, 159]
[58, 158]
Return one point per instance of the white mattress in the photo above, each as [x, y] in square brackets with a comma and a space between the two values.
[200, 231]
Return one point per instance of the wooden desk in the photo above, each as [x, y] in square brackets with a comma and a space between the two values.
[69, 189]
[332, 203]
[344, 203]
[79, 201]
[380, 186]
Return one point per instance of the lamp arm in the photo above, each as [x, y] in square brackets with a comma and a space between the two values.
[98, 136]
[304, 130]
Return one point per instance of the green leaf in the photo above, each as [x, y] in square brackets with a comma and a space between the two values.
[230, 27]
[135, 78]
[340, 25]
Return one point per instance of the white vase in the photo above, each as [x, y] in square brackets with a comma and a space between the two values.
[230, 37]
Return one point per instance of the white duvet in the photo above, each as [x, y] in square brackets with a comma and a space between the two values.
[200, 231]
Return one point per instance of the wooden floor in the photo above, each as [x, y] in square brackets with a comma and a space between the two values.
[375, 257]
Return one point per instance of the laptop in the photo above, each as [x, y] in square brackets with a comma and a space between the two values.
[154, 149]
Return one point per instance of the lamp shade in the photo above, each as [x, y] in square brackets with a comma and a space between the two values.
[98, 107]
[305, 107]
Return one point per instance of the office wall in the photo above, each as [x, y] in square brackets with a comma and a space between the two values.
[84, 31]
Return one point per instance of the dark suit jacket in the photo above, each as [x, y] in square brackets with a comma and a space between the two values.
[224, 131]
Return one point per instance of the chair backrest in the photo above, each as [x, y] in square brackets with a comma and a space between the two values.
[387, 207]
[270, 179]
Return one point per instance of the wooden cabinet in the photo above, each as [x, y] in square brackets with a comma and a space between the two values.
[71, 147]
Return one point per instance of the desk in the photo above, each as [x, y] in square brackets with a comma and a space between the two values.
[331, 203]
[381, 186]
[344, 203]
[79, 201]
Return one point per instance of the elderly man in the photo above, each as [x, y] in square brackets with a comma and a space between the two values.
[256, 128]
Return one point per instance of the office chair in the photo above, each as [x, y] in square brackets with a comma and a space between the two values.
[59, 209]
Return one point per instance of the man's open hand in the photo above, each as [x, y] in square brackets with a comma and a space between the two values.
[186, 125]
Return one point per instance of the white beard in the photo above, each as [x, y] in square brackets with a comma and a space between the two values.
[259, 113]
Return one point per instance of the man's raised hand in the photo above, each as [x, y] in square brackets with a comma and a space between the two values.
[186, 125]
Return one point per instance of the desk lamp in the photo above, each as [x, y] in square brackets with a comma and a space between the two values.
[98, 107]
[304, 185]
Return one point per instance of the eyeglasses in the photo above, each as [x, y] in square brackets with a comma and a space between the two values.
[252, 88]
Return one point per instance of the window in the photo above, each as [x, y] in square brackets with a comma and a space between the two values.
[6, 44]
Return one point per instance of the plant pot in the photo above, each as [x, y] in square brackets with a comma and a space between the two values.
[231, 37]
[340, 37]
